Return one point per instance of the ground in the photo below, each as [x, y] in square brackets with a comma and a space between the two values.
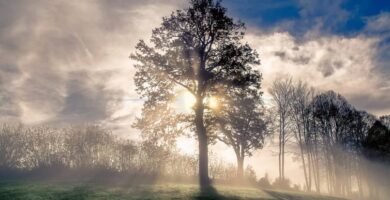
[56, 191]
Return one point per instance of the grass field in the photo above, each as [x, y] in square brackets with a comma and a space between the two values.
[46, 191]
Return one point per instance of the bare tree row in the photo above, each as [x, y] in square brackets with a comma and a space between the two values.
[333, 139]
[88, 148]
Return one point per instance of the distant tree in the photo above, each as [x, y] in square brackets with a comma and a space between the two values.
[250, 175]
[282, 183]
[377, 143]
[334, 118]
[11, 146]
[296, 187]
[376, 149]
[264, 181]
[358, 128]
[93, 152]
[241, 119]
[385, 119]
[281, 91]
[301, 96]
[161, 131]
[197, 49]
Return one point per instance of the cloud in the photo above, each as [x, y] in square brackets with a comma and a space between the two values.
[345, 64]
[54, 53]
[378, 23]
[323, 15]
[379, 26]
[67, 61]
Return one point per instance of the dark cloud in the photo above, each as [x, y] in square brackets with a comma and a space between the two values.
[295, 57]
[87, 100]
[301, 60]
[326, 70]
[328, 66]
[281, 54]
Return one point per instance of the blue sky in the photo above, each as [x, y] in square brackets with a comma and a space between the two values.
[344, 17]
[319, 20]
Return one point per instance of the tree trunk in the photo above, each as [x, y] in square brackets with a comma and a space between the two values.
[315, 159]
[283, 144]
[240, 167]
[308, 186]
[280, 147]
[204, 180]
[359, 180]
[283, 152]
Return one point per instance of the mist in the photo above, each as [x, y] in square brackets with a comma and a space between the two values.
[125, 93]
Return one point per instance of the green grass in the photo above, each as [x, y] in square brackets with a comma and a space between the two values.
[56, 191]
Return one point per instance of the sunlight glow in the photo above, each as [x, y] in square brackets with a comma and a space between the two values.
[189, 100]
[186, 145]
[184, 101]
[212, 102]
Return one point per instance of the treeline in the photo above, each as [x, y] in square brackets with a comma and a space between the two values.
[92, 153]
[342, 150]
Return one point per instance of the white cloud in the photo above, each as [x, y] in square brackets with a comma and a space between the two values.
[378, 23]
[344, 64]
[47, 46]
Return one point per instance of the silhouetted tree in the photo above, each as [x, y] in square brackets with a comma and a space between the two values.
[377, 142]
[264, 181]
[161, 131]
[281, 91]
[385, 119]
[376, 148]
[333, 114]
[197, 49]
[301, 96]
[241, 119]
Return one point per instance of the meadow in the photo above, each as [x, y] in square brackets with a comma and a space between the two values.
[72, 191]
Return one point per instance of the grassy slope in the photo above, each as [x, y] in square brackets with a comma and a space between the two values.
[39, 191]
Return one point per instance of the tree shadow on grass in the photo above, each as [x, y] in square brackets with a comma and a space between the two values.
[280, 196]
[77, 193]
[286, 196]
[210, 193]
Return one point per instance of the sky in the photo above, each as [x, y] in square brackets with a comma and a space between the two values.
[67, 61]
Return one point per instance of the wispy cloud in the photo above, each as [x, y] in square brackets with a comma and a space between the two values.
[67, 61]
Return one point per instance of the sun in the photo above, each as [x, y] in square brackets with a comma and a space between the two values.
[184, 101]
[189, 100]
[212, 102]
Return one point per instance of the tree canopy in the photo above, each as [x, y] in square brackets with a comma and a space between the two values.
[242, 123]
[198, 49]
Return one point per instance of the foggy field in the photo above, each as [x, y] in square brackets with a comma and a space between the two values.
[46, 191]
[194, 99]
